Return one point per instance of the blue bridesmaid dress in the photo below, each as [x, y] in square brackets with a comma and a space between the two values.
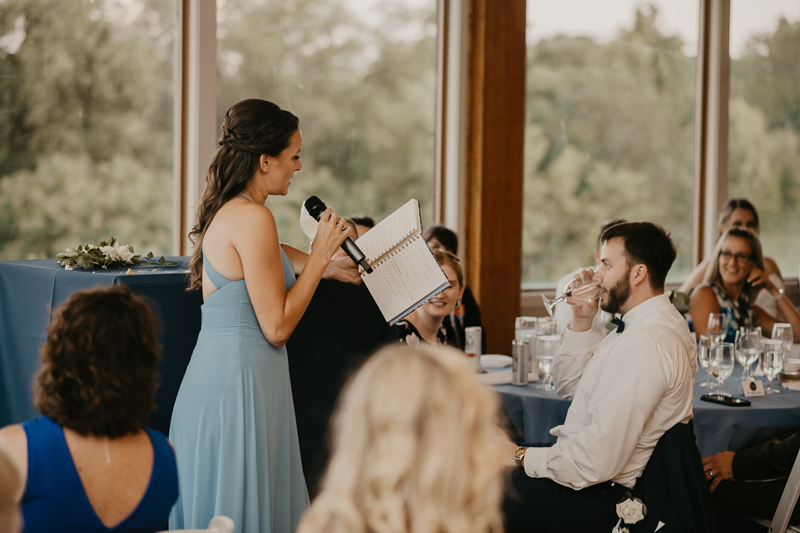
[233, 425]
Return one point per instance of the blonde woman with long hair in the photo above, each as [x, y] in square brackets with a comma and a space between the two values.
[412, 450]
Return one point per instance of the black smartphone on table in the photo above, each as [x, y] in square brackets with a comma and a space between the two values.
[725, 400]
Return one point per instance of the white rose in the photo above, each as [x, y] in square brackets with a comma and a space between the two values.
[630, 511]
[118, 252]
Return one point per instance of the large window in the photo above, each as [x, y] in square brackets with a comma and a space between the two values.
[609, 126]
[86, 98]
[360, 74]
[764, 113]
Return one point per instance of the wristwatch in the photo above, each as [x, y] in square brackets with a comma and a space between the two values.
[519, 456]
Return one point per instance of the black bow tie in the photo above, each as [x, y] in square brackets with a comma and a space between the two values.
[619, 323]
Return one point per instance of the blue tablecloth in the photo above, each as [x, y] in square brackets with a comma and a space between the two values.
[717, 427]
[30, 289]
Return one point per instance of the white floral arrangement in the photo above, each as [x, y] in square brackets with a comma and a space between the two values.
[107, 254]
[629, 510]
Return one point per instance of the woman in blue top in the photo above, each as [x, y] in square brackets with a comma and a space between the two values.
[733, 279]
[90, 464]
[233, 423]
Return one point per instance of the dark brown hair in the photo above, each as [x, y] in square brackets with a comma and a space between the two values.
[712, 275]
[645, 244]
[444, 235]
[732, 205]
[98, 374]
[251, 128]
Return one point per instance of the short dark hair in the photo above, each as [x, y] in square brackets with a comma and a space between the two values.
[604, 226]
[364, 221]
[444, 235]
[646, 244]
[98, 374]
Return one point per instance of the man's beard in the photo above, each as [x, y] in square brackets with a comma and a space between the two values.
[617, 295]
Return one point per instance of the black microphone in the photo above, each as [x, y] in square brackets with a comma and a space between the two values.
[315, 208]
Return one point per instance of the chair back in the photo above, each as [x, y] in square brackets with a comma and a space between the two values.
[780, 520]
[218, 524]
[673, 487]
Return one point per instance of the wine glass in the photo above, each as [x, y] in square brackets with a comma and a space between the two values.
[748, 346]
[720, 364]
[703, 357]
[782, 331]
[578, 288]
[771, 362]
[717, 327]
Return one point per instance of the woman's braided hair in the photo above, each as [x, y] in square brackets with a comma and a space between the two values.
[250, 128]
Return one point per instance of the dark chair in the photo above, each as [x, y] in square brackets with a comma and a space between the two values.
[340, 329]
[674, 488]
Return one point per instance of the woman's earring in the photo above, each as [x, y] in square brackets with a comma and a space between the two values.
[458, 303]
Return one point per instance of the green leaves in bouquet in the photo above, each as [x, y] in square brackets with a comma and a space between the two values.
[107, 254]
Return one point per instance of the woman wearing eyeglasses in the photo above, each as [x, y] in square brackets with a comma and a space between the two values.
[733, 279]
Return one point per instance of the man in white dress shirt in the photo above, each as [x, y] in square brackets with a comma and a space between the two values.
[626, 391]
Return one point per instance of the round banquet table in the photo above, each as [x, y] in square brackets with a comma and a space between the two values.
[533, 412]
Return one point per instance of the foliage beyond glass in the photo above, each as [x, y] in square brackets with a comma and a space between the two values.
[360, 74]
[86, 92]
[764, 131]
[608, 135]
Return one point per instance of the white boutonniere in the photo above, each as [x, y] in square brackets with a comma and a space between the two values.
[108, 254]
[629, 510]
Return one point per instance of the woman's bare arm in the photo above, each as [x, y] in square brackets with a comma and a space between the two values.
[704, 302]
[694, 278]
[255, 238]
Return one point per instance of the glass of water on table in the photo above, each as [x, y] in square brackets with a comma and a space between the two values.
[748, 346]
[771, 362]
[545, 347]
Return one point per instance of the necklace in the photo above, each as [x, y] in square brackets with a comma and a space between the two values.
[245, 195]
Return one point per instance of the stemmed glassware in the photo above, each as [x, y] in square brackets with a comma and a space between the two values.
[771, 362]
[717, 327]
[578, 288]
[748, 346]
[783, 332]
[703, 357]
[721, 361]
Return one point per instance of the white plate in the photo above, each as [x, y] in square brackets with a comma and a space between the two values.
[495, 361]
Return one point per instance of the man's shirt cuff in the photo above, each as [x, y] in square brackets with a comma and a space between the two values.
[535, 462]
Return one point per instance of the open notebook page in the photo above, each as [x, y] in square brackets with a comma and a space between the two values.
[404, 279]
[390, 231]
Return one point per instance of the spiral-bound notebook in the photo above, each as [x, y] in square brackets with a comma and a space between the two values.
[405, 273]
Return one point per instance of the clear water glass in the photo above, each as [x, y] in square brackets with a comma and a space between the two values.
[545, 347]
[546, 366]
[523, 326]
[720, 364]
[748, 346]
[703, 357]
[783, 332]
[717, 327]
[771, 362]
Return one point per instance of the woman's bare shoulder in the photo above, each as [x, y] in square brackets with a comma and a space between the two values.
[14, 442]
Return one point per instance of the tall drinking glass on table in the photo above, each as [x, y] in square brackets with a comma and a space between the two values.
[717, 327]
[748, 346]
[720, 364]
[545, 347]
[525, 326]
[782, 331]
[704, 358]
[771, 362]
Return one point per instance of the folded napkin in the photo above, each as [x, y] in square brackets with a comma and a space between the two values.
[791, 385]
[495, 361]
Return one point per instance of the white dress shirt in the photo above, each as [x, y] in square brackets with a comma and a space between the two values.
[626, 392]
[563, 311]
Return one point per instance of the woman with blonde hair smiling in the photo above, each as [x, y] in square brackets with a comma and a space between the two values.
[412, 450]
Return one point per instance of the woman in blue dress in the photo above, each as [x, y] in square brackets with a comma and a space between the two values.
[233, 424]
